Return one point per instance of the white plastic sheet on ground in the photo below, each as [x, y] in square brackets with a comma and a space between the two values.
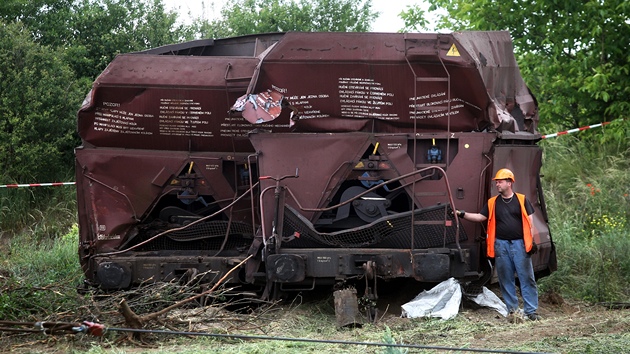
[488, 299]
[444, 299]
[441, 301]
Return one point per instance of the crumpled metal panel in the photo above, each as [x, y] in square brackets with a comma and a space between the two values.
[322, 161]
[334, 82]
[513, 107]
[259, 108]
[248, 46]
[383, 82]
[325, 161]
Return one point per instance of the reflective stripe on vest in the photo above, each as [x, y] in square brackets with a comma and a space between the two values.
[492, 225]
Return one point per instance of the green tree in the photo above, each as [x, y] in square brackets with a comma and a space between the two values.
[574, 55]
[50, 52]
[49, 21]
[415, 19]
[123, 26]
[243, 17]
[38, 100]
[93, 32]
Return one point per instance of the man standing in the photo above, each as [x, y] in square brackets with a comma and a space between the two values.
[511, 243]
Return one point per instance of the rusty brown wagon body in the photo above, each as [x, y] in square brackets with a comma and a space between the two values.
[361, 143]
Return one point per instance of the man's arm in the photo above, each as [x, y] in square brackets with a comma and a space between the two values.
[471, 216]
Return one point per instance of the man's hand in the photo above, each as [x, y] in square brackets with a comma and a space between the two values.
[460, 213]
[534, 249]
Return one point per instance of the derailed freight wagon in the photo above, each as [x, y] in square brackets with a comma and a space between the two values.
[329, 157]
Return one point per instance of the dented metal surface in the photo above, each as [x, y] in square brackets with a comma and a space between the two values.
[259, 108]
[374, 82]
[361, 143]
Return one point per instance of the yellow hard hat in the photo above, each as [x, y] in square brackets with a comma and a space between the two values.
[504, 173]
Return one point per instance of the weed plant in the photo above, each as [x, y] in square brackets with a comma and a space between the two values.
[38, 212]
[587, 186]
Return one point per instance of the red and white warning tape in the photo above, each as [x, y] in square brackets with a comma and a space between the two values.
[574, 130]
[54, 184]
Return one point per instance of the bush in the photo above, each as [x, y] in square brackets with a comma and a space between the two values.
[39, 97]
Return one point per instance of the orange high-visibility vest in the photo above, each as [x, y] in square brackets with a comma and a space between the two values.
[492, 225]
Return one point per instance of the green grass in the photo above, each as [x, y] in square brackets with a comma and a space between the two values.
[39, 278]
[587, 189]
[37, 213]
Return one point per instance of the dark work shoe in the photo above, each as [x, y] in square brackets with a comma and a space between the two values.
[534, 317]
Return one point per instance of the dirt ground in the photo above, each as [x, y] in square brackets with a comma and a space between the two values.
[566, 327]
[560, 324]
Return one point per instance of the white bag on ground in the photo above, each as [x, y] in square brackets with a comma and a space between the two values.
[488, 299]
[442, 301]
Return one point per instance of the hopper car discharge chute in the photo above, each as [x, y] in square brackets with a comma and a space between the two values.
[328, 157]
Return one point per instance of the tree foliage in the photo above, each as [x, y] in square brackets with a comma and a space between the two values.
[574, 55]
[243, 17]
[50, 52]
[415, 19]
[48, 21]
[38, 100]
[123, 26]
[92, 32]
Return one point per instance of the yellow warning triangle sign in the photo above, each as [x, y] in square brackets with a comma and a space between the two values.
[453, 52]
